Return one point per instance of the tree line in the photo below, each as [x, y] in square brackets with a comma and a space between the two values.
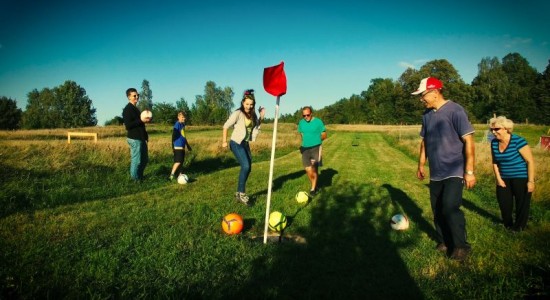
[509, 87]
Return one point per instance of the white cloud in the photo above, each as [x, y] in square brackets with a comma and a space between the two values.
[414, 65]
[511, 42]
[406, 65]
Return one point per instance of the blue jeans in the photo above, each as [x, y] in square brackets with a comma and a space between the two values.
[243, 156]
[139, 158]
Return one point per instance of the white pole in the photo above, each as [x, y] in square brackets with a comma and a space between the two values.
[270, 183]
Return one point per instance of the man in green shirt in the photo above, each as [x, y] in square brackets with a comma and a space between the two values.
[313, 133]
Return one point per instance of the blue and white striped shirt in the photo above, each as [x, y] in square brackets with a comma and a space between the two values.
[510, 162]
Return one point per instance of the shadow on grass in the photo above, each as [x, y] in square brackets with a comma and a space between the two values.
[469, 205]
[348, 255]
[411, 210]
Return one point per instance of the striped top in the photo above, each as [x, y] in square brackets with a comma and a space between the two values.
[510, 162]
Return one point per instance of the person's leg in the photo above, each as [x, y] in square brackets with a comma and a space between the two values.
[179, 155]
[454, 217]
[506, 203]
[312, 175]
[436, 189]
[310, 159]
[523, 202]
[144, 158]
[243, 158]
[135, 158]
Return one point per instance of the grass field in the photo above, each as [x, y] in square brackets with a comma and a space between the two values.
[72, 224]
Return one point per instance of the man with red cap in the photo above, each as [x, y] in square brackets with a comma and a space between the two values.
[448, 146]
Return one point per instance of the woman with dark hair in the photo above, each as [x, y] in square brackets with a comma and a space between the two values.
[246, 126]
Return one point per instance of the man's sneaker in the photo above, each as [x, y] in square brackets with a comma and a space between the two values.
[441, 247]
[460, 254]
[171, 177]
[242, 197]
[312, 193]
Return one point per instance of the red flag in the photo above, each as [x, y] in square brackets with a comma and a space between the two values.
[275, 80]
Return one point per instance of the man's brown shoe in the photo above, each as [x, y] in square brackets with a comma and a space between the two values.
[460, 254]
[441, 247]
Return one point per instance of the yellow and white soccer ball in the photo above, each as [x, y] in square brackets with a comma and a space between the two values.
[302, 197]
[277, 221]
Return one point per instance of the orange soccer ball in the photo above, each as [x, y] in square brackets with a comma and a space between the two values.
[232, 223]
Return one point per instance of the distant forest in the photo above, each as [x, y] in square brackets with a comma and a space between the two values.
[510, 87]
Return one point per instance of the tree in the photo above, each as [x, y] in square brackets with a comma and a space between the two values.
[164, 113]
[146, 97]
[181, 105]
[541, 93]
[491, 87]
[519, 103]
[117, 120]
[10, 115]
[64, 106]
[214, 106]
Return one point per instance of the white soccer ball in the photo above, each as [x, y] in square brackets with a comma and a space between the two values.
[146, 114]
[183, 179]
[399, 222]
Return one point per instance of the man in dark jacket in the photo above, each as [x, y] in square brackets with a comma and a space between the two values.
[137, 135]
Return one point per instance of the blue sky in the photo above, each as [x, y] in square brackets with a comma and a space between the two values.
[331, 49]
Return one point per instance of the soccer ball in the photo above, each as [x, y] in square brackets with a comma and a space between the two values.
[183, 179]
[146, 114]
[302, 197]
[399, 222]
[232, 223]
[277, 221]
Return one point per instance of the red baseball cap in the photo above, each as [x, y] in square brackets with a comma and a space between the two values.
[429, 83]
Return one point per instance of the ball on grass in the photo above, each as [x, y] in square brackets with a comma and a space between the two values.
[183, 179]
[277, 221]
[302, 197]
[399, 222]
[232, 223]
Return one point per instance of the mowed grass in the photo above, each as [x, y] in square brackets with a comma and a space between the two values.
[72, 225]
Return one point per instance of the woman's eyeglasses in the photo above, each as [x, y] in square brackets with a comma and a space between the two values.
[495, 129]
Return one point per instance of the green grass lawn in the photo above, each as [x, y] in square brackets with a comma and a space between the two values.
[88, 232]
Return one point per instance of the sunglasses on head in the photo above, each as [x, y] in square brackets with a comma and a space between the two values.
[249, 92]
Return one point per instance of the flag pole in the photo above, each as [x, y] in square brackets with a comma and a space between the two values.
[270, 183]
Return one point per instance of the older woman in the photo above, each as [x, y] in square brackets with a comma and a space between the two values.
[514, 170]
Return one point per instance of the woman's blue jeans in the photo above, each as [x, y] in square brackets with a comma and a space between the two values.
[243, 156]
[139, 158]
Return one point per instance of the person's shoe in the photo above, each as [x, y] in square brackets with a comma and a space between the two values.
[242, 197]
[441, 247]
[313, 193]
[460, 254]
[171, 177]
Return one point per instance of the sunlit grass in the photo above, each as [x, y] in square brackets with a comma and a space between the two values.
[73, 225]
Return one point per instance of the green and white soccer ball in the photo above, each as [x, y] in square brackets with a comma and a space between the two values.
[277, 221]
